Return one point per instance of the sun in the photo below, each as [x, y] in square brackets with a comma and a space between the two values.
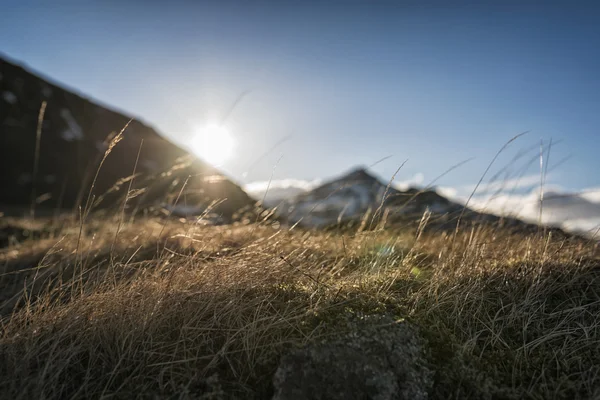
[213, 143]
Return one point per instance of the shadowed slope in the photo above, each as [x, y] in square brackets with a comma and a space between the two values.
[76, 135]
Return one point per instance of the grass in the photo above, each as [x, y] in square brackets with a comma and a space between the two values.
[172, 309]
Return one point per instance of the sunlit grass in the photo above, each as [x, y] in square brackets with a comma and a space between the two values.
[173, 304]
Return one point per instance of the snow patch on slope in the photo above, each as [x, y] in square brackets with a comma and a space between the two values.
[74, 131]
[9, 97]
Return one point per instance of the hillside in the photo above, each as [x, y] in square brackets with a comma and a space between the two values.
[77, 137]
[166, 309]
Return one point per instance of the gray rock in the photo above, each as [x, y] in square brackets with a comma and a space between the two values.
[378, 360]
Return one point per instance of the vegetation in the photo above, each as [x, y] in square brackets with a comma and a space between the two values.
[159, 308]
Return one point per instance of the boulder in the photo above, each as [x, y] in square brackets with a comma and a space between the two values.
[379, 360]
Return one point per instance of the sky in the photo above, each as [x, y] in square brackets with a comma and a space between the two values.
[321, 87]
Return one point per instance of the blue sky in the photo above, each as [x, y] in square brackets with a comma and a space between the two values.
[344, 83]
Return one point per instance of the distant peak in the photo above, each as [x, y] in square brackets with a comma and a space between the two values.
[359, 174]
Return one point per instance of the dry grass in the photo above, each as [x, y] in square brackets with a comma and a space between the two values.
[172, 309]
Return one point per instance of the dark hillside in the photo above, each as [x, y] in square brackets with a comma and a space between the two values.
[76, 134]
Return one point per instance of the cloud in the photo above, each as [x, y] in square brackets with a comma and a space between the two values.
[523, 182]
[573, 211]
[416, 180]
[275, 191]
[301, 184]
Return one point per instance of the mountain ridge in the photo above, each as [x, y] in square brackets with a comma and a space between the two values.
[359, 195]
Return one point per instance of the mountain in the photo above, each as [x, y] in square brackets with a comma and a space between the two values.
[359, 196]
[77, 134]
[351, 197]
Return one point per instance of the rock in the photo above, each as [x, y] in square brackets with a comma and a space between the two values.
[378, 360]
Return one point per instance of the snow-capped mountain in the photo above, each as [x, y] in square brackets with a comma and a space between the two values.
[360, 196]
[351, 197]
[75, 137]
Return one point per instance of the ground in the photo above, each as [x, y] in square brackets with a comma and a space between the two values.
[158, 308]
